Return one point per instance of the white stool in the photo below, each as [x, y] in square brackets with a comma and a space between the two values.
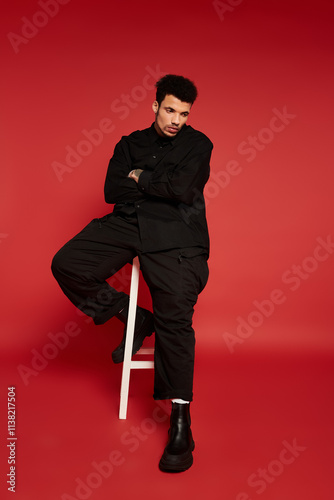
[128, 363]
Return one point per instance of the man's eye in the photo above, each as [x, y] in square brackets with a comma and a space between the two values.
[168, 110]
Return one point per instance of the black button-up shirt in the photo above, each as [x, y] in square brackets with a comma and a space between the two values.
[168, 199]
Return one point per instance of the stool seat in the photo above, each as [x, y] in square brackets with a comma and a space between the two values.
[128, 363]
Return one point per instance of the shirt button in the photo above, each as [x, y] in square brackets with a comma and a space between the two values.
[154, 156]
[137, 206]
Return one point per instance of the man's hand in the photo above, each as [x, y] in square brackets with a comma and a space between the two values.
[134, 174]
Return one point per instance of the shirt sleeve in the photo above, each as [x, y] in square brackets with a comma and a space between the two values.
[118, 187]
[183, 181]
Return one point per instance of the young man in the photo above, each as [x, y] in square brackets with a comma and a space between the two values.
[155, 179]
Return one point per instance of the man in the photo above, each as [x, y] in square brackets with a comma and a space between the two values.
[155, 179]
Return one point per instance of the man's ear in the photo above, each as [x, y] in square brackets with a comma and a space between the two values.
[155, 106]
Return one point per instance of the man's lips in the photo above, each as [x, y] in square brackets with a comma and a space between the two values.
[172, 129]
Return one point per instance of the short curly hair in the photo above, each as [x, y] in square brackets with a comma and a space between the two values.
[178, 86]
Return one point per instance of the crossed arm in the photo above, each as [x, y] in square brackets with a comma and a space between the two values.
[172, 181]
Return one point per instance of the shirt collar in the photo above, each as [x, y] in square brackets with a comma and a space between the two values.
[155, 137]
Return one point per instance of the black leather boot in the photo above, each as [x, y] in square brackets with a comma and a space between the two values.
[178, 456]
[144, 327]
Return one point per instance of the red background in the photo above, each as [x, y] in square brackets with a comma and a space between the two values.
[255, 57]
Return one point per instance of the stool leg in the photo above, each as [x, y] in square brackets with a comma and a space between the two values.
[129, 339]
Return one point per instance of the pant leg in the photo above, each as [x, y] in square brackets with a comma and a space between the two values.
[175, 279]
[83, 265]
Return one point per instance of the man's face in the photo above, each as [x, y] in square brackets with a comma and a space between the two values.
[170, 116]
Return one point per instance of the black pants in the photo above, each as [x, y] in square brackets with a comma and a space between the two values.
[174, 277]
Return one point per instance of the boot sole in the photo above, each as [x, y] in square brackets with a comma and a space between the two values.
[168, 464]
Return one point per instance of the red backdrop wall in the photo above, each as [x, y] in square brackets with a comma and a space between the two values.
[76, 76]
[73, 67]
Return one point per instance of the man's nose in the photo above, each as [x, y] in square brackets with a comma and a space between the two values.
[176, 120]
